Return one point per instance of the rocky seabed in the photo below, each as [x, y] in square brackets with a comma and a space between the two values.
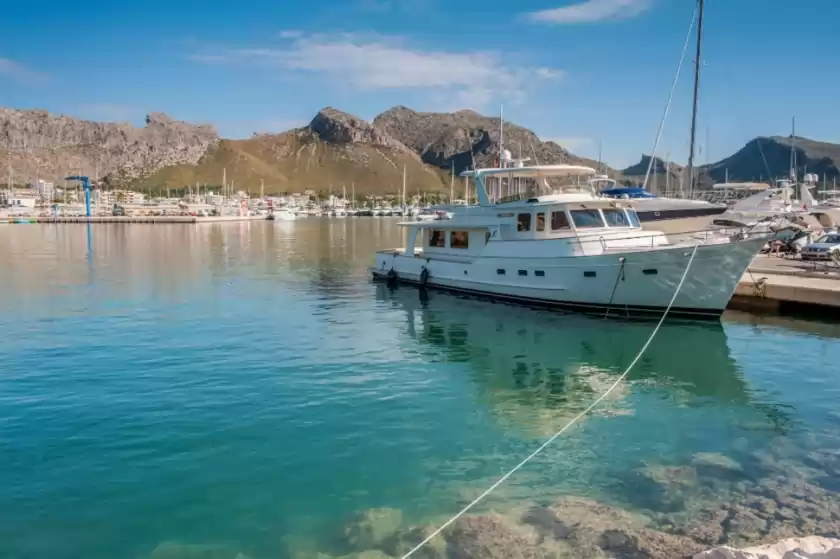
[708, 509]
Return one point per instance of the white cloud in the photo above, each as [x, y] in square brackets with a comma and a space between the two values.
[376, 63]
[592, 11]
[18, 72]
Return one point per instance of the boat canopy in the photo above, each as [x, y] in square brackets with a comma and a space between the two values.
[627, 191]
[536, 171]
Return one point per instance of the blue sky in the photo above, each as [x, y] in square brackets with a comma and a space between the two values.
[585, 73]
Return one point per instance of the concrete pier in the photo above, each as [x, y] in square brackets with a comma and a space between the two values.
[777, 285]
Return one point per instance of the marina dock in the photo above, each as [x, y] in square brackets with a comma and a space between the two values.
[775, 285]
[140, 219]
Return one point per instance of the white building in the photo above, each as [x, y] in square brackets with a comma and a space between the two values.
[46, 190]
[110, 197]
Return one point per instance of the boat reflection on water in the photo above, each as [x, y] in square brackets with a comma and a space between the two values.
[536, 368]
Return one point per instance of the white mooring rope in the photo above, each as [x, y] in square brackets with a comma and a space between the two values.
[569, 424]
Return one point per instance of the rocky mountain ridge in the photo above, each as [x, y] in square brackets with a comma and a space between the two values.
[36, 143]
[465, 139]
[335, 150]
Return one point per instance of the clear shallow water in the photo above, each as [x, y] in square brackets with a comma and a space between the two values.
[246, 384]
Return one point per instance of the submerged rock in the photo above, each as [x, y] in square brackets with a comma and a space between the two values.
[403, 541]
[591, 529]
[492, 536]
[713, 463]
[369, 528]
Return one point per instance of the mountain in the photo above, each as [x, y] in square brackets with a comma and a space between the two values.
[657, 181]
[764, 158]
[336, 150]
[51, 147]
[444, 139]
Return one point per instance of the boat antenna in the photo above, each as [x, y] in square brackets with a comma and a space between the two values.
[697, 63]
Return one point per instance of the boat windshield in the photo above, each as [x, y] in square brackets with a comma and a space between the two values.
[616, 217]
[587, 218]
[634, 217]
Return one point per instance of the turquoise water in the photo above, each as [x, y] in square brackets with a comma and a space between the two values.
[247, 385]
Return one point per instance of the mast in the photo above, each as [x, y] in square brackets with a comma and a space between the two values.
[501, 133]
[697, 64]
[452, 184]
[467, 190]
[403, 192]
[262, 189]
[793, 149]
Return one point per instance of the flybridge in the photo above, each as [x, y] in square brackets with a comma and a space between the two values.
[516, 174]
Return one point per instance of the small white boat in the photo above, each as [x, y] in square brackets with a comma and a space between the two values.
[570, 249]
[282, 214]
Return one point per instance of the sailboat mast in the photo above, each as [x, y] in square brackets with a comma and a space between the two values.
[501, 133]
[793, 149]
[452, 184]
[403, 192]
[697, 63]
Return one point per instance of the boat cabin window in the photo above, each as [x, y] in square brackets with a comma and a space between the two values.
[559, 221]
[587, 218]
[437, 238]
[616, 217]
[540, 221]
[634, 218]
[459, 239]
[523, 222]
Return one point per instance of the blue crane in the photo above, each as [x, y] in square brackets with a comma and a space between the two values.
[86, 185]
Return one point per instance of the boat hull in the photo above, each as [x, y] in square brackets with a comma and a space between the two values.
[643, 283]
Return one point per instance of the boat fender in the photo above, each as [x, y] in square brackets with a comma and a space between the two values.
[391, 276]
[424, 277]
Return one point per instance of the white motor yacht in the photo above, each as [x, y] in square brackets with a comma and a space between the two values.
[570, 248]
[281, 214]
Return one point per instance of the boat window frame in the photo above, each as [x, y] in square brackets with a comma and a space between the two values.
[617, 211]
[432, 233]
[537, 221]
[530, 222]
[597, 211]
[466, 245]
[568, 219]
